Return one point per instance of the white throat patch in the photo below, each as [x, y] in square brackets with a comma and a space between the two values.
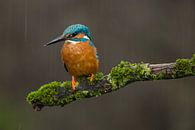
[86, 37]
[72, 42]
[75, 42]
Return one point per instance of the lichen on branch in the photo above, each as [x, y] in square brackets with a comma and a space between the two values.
[61, 93]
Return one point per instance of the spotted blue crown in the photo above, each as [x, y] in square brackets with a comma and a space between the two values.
[78, 28]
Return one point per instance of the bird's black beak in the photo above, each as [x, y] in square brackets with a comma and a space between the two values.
[56, 40]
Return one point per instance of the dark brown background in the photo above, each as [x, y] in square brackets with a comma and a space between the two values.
[135, 30]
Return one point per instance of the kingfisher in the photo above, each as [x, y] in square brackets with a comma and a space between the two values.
[78, 52]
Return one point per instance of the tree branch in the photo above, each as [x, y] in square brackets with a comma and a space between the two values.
[60, 93]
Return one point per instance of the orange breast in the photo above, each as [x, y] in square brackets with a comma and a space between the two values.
[80, 59]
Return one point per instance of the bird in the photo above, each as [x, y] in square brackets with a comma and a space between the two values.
[78, 53]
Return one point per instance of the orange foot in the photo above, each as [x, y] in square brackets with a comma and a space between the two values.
[91, 77]
[73, 83]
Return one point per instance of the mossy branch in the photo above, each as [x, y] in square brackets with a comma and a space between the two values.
[60, 93]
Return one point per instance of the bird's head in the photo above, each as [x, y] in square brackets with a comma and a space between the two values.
[73, 32]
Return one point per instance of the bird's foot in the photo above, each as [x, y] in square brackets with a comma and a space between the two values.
[91, 77]
[73, 83]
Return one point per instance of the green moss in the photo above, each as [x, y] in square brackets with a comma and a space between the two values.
[95, 93]
[126, 72]
[66, 84]
[183, 67]
[79, 95]
[69, 98]
[82, 94]
[163, 75]
[96, 79]
[59, 94]
[193, 60]
[158, 76]
[46, 94]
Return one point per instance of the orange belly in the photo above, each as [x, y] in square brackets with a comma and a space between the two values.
[80, 59]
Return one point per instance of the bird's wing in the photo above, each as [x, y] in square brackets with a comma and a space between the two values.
[96, 53]
[65, 67]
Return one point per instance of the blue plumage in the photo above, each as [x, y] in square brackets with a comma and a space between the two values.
[77, 28]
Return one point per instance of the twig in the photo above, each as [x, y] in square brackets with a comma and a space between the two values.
[60, 93]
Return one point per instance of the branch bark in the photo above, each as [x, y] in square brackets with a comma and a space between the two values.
[60, 93]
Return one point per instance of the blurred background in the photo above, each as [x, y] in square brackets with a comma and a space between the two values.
[155, 31]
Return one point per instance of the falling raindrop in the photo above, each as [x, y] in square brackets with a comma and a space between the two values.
[25, 21]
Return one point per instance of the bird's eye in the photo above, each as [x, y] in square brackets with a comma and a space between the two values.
[74, 34]
[69, 35]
